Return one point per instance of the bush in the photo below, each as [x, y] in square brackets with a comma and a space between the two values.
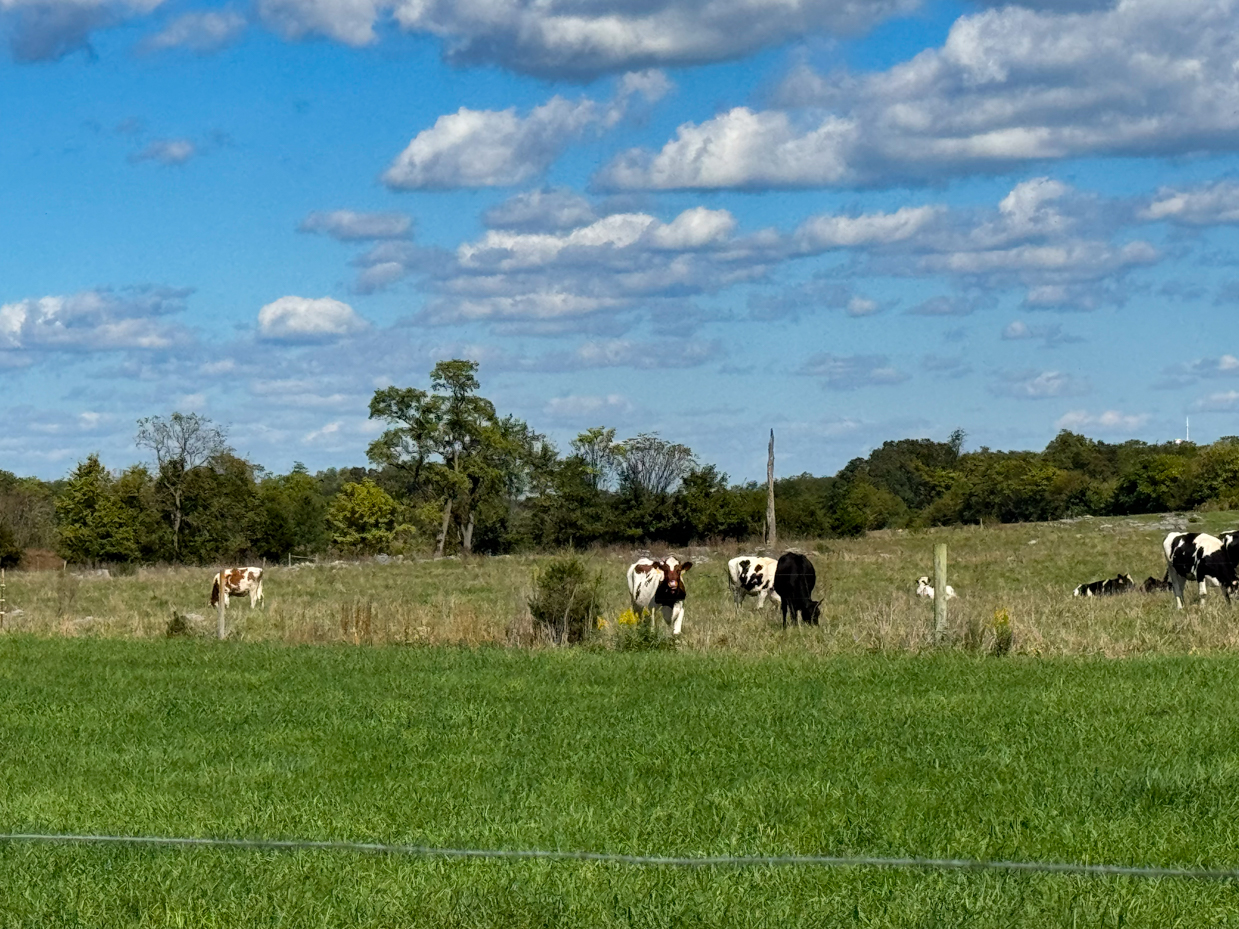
[10, 551]
[566, 600]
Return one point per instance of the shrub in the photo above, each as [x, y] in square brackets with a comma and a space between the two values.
[566, 600]
[10, 551]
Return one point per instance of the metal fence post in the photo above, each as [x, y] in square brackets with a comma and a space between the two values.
[940, 593]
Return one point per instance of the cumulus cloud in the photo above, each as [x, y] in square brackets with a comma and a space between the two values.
[851, 372]
[199, 31]
[351, 226]
[944, 305]
[302, 319]
[581, 41]
[99, 320]
[47, 30]
[1183, 375]
[1110, 421]
[545, 210]
[1008, 87]
[1209, 205]
[1033, 385]
[500, 148]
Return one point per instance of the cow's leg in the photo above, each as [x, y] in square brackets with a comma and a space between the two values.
[1177, 582]
[674, 617]
[761, 598]
[784, 606]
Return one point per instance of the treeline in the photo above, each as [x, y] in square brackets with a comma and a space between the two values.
[450, 474]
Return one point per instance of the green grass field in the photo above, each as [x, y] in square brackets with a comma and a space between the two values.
[1052, 759]
[1026, 571]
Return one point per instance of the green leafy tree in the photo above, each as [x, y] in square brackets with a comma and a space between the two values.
[181, 443]
[451, 442]
[94, 525]
[10, 551]
[363, 519]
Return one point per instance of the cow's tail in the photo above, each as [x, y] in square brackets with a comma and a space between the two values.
[215, 592]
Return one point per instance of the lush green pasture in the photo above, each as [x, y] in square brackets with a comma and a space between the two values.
[1133, 761]
[1026, 571]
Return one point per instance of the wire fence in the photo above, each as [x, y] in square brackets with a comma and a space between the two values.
[660, 861]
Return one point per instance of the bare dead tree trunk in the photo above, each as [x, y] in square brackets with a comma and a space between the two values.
[466, 538]
[772, 534]
[447, 520]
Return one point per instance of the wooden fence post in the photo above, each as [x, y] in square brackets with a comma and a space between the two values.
[220, 632]
[940, 593]
[1, 598]
[772, 532]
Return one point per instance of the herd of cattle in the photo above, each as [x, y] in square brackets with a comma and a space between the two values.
[1190, 556]
[789, 580]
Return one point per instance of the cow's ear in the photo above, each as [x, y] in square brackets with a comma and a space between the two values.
[684, 567]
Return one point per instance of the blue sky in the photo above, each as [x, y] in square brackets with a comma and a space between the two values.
[848, 220]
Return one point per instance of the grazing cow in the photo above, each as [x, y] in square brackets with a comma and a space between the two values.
[794, 578]
[233, 582]
[924, 590]
[658, 583]
[752, 576]
[1152, 584]
[1197, 556]
[1119, 584]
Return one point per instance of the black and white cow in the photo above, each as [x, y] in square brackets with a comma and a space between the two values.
[752, 576]
[658, 583]
[794, 579]
[1119, 584]
[1198, 556]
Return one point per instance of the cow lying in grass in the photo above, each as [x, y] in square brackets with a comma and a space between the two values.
[1119, 584]
[658, 583]
[924, 590]
[235, 582]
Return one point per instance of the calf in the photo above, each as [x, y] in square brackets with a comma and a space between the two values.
[752, 576]
[658, 583]
[1197, 556]
[794, 578]
[1152, 584]
[1119, 584]
[233, 582]
[924, 590]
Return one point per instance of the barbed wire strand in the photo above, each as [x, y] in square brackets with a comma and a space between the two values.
[708, 861]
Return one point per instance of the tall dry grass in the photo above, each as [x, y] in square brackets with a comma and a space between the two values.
[1017, 578]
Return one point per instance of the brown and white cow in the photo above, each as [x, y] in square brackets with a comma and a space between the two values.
[752, 576]
[658, 583]
[234, 582]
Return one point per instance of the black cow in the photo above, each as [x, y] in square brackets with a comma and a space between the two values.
[794, 578]
[1152, 585]
[1197, 556]
[1119, 584]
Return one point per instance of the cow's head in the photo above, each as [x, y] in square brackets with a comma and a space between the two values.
[814, 613]
[671, 591]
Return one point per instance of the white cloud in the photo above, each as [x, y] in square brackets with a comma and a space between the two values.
[90, 321]
[44, 30]
[546, 210]
[1050, 335]
[850, 372]
[1209, 205]
[1221, 402]
[302, 319]
[351, 226]
[1111, 421]
[170, 152]
[1032, 385]
[1008, 87]
[575, 40]
[490, 148]
[200, 31]
[827, 232]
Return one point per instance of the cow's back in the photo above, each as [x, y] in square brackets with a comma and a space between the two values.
[794, 578]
